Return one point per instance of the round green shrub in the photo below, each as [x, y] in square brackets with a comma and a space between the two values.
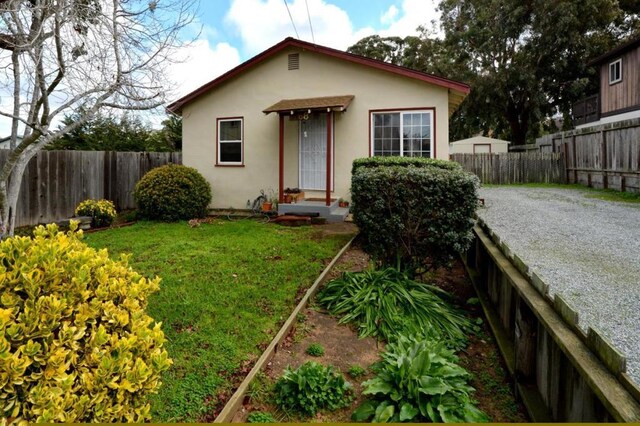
[418, 217]
[76, 344]
[173, 192]
[102, 212]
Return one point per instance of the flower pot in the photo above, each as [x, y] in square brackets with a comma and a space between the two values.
[288, 198]
[343, 204]
[266, 206]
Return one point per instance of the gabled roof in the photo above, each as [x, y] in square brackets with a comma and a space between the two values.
[458, 91]
[478, 139]
[623, 48]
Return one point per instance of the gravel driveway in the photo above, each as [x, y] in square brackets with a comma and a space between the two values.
[585, 249]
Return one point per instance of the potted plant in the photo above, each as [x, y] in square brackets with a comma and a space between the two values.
[295, 193]
[343, 203]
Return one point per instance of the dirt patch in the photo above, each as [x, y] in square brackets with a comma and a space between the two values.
[344, 349]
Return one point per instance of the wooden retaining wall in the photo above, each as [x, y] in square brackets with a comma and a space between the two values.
[561, 373]
[55, 182]
[514, 167]
[602, 156]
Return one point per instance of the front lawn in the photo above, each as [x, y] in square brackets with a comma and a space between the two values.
[226, 289]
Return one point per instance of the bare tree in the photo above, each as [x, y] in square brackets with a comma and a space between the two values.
[59, 56]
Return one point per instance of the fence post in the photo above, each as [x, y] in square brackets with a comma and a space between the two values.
[603, 159]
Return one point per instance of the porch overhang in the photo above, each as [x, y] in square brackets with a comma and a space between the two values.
[309, 105]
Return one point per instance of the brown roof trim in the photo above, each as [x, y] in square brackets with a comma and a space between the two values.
[314, 104]
[177, 106]
[615, 52]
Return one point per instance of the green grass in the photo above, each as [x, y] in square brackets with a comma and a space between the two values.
[226, 288]
[601, 194]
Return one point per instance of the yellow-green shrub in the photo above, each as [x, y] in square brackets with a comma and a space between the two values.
[102, 212]
[75, 342]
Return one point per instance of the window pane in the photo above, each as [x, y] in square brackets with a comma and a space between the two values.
[230, 130]
[231, 152]
[395, 146]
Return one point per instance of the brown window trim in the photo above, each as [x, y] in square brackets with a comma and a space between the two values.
[218, 120]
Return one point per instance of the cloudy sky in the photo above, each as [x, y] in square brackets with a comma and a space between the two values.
[232, 31]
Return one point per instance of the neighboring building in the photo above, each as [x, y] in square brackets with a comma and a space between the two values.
[298, 114]
[5, 143]
[479, 145]
[619, 97]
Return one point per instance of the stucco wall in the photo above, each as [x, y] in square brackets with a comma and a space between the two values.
[249, 93]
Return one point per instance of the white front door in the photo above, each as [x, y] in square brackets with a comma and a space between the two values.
[313, 152]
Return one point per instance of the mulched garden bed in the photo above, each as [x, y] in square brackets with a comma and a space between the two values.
[343, 349]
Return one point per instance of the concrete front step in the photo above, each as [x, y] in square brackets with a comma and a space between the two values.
[333, 213]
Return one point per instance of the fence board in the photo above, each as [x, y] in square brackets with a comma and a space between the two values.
[508, 168]
[55, 182]
[600, 156]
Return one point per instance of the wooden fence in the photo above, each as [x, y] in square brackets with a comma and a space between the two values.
[507, 168]
[561, 373]
[602, 156]
[54, 182]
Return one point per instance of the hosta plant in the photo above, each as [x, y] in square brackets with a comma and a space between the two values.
[75, 342]
[382, 302]
[417, 381]
[312, 387]
[102, 212]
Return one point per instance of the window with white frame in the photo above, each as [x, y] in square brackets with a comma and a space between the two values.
[403, 133]
[615, 71]
[230, 141]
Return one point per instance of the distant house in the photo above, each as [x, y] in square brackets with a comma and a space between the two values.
[479, 145]
[5, 143]
[298, 114]
[619, 96]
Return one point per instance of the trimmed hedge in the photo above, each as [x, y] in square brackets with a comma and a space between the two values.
[173, 192]
[76, 345]
[373, 162]
[414, 217]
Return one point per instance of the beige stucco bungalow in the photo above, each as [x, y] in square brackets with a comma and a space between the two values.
[298, 114]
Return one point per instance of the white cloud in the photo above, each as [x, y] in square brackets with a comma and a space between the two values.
[413, 14]
[390, 15]
[200, 63]
[263, 23]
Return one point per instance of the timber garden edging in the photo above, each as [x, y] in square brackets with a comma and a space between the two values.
[561, 373]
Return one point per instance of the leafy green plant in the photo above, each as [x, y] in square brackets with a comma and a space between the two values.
[102, 212]
[76, 343]
[356, 371]
[315, 349]
[383, 302]
[418, 380]
[260, 417]
[417, 217]
[312, 387]
[173, 192]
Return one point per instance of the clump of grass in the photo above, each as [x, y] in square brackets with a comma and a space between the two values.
[356, 371]
[260, 417]
[384, 302]
[315, 349]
